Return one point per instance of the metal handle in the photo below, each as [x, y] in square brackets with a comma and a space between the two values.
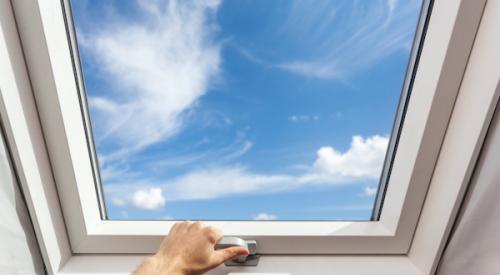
[226, 242]
[251, 260]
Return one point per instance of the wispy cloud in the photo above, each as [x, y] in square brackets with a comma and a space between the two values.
[223, 181]
[264, 217]
[362, 162]
[369, 191]
[219, 156]
[246, 146]
[303, 118]
[364, 33]
[118, 201]
[158, 66]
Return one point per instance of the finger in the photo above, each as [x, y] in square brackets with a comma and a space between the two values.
[219, 256]
[196, 226]
[213, 234]
[184, 225]
[175, 227]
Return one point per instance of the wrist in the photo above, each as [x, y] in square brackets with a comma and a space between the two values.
[159, 264]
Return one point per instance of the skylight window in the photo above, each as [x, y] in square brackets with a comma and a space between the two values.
[243, 110]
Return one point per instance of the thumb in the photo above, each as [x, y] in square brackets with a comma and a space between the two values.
[219, 256]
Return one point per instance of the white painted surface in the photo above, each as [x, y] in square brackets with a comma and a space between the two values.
[481, 79]
[18, 114]
[474, 247]
[19, 252]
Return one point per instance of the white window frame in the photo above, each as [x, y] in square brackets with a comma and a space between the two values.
[439, 143]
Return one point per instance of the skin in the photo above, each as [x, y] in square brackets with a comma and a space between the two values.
[188, 250]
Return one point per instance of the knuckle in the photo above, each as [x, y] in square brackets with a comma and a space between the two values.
[213, 234]
[175, 226]
[198, 224]
[183, 225]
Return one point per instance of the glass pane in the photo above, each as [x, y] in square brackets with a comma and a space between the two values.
[243, 110]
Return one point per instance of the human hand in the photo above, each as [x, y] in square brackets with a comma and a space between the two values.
[189, 250]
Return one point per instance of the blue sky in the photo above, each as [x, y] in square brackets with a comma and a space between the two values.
[243, 109]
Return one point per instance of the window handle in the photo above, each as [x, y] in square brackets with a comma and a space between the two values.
[251, 260]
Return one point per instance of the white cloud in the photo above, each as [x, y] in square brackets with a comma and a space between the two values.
[246, 146]
[365, 32]
[369, 191]
[264, 217]
[159, 67]
[118, 201]
[313, 69]
[364, 159]
[303, 118]
[223, 181]
[213, 156]
[361, 163]
[111, 172]
[148, 199]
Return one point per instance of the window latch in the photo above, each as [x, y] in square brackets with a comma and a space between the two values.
[251, 260]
